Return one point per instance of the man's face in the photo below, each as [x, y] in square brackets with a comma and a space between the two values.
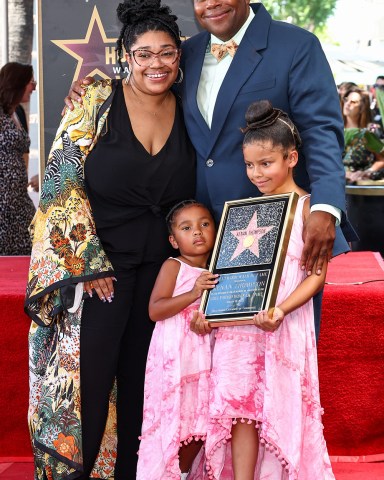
[222, 18]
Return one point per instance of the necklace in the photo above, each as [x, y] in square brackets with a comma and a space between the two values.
[142, 103]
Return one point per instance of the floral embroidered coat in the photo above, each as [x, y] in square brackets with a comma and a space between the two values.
[66, 251]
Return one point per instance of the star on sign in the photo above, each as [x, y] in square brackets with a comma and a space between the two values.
[91, 51]
[249, 237]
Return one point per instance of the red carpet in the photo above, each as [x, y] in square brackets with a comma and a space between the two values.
[351, 363]
[351, 356]
[14, 326]
[342, 471]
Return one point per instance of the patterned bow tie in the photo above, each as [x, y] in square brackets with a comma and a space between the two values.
[220, 50]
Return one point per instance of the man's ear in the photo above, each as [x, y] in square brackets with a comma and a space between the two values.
[173, 242]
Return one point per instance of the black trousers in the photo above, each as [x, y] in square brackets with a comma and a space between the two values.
[114, 341]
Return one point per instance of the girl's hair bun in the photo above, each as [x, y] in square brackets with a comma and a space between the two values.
[261, 114]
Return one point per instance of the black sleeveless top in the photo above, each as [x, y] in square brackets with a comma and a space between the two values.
[123, 181]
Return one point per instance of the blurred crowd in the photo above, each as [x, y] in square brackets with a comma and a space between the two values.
[362, 110]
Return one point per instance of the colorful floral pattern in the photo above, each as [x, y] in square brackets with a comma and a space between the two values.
[66, 251]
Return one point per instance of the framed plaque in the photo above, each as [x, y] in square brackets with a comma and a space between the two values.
[249, 255]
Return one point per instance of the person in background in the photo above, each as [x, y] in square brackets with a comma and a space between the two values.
[16, 207]
[363, 151]
[264, 408]
[343, 88]
[118, 163]
[377, 92]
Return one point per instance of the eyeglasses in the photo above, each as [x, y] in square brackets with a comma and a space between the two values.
[380, 86]
[145, 58]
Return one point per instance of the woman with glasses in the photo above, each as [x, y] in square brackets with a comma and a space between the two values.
[363, 151]
[119, 161]
[16, 206]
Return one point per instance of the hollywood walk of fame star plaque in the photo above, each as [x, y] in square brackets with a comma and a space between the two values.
[249, 255]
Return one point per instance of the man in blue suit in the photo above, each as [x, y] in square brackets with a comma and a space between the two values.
[286, 65]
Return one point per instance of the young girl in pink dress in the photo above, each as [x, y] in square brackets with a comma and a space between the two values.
[179, 361]
[264, 401]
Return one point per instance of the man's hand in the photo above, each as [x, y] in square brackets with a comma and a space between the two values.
[318, 235]
[76, 92]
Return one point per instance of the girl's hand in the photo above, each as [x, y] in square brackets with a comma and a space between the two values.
[206, 281]
[269, 324]
[199, 325]
[103, 288]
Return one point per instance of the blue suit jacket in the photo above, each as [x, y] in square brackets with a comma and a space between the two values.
[286, 65]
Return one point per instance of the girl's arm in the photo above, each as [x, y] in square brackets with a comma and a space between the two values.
[301, 295]
[162, 304]
[305, 291]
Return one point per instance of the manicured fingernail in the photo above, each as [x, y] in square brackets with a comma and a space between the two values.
[90, 294]
[103, 299]
[114, 279]
[109, 299]
[309, 273]
[112, 295]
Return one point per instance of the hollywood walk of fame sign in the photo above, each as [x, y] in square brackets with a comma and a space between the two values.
[249, 255]
[77, 38]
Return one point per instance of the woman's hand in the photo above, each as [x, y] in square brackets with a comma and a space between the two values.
[102, 286]
[269, 324]
[199, 325]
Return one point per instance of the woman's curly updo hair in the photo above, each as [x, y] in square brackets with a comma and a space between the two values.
[268, 124]
[142, 16]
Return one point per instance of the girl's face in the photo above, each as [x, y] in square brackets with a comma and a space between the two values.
[31, 86]
[351, 106]
[154, 62]
[268, 169]
[193, 231]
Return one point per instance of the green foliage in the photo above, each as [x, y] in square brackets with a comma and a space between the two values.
[311, 15]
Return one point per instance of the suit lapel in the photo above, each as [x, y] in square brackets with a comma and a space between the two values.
[194, 65]
[244, 63]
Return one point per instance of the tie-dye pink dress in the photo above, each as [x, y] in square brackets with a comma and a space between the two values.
[176, 389]
[271, 378]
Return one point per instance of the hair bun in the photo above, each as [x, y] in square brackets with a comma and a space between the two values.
[261, 113]
[129, 10]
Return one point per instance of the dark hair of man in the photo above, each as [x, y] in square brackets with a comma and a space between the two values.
[268, 124]
[364, 107]
[176, 209]
[14, 77]
[380, 77]
[142, 16]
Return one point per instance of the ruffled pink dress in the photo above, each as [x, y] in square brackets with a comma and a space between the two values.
[272, 379]
[176, 391]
